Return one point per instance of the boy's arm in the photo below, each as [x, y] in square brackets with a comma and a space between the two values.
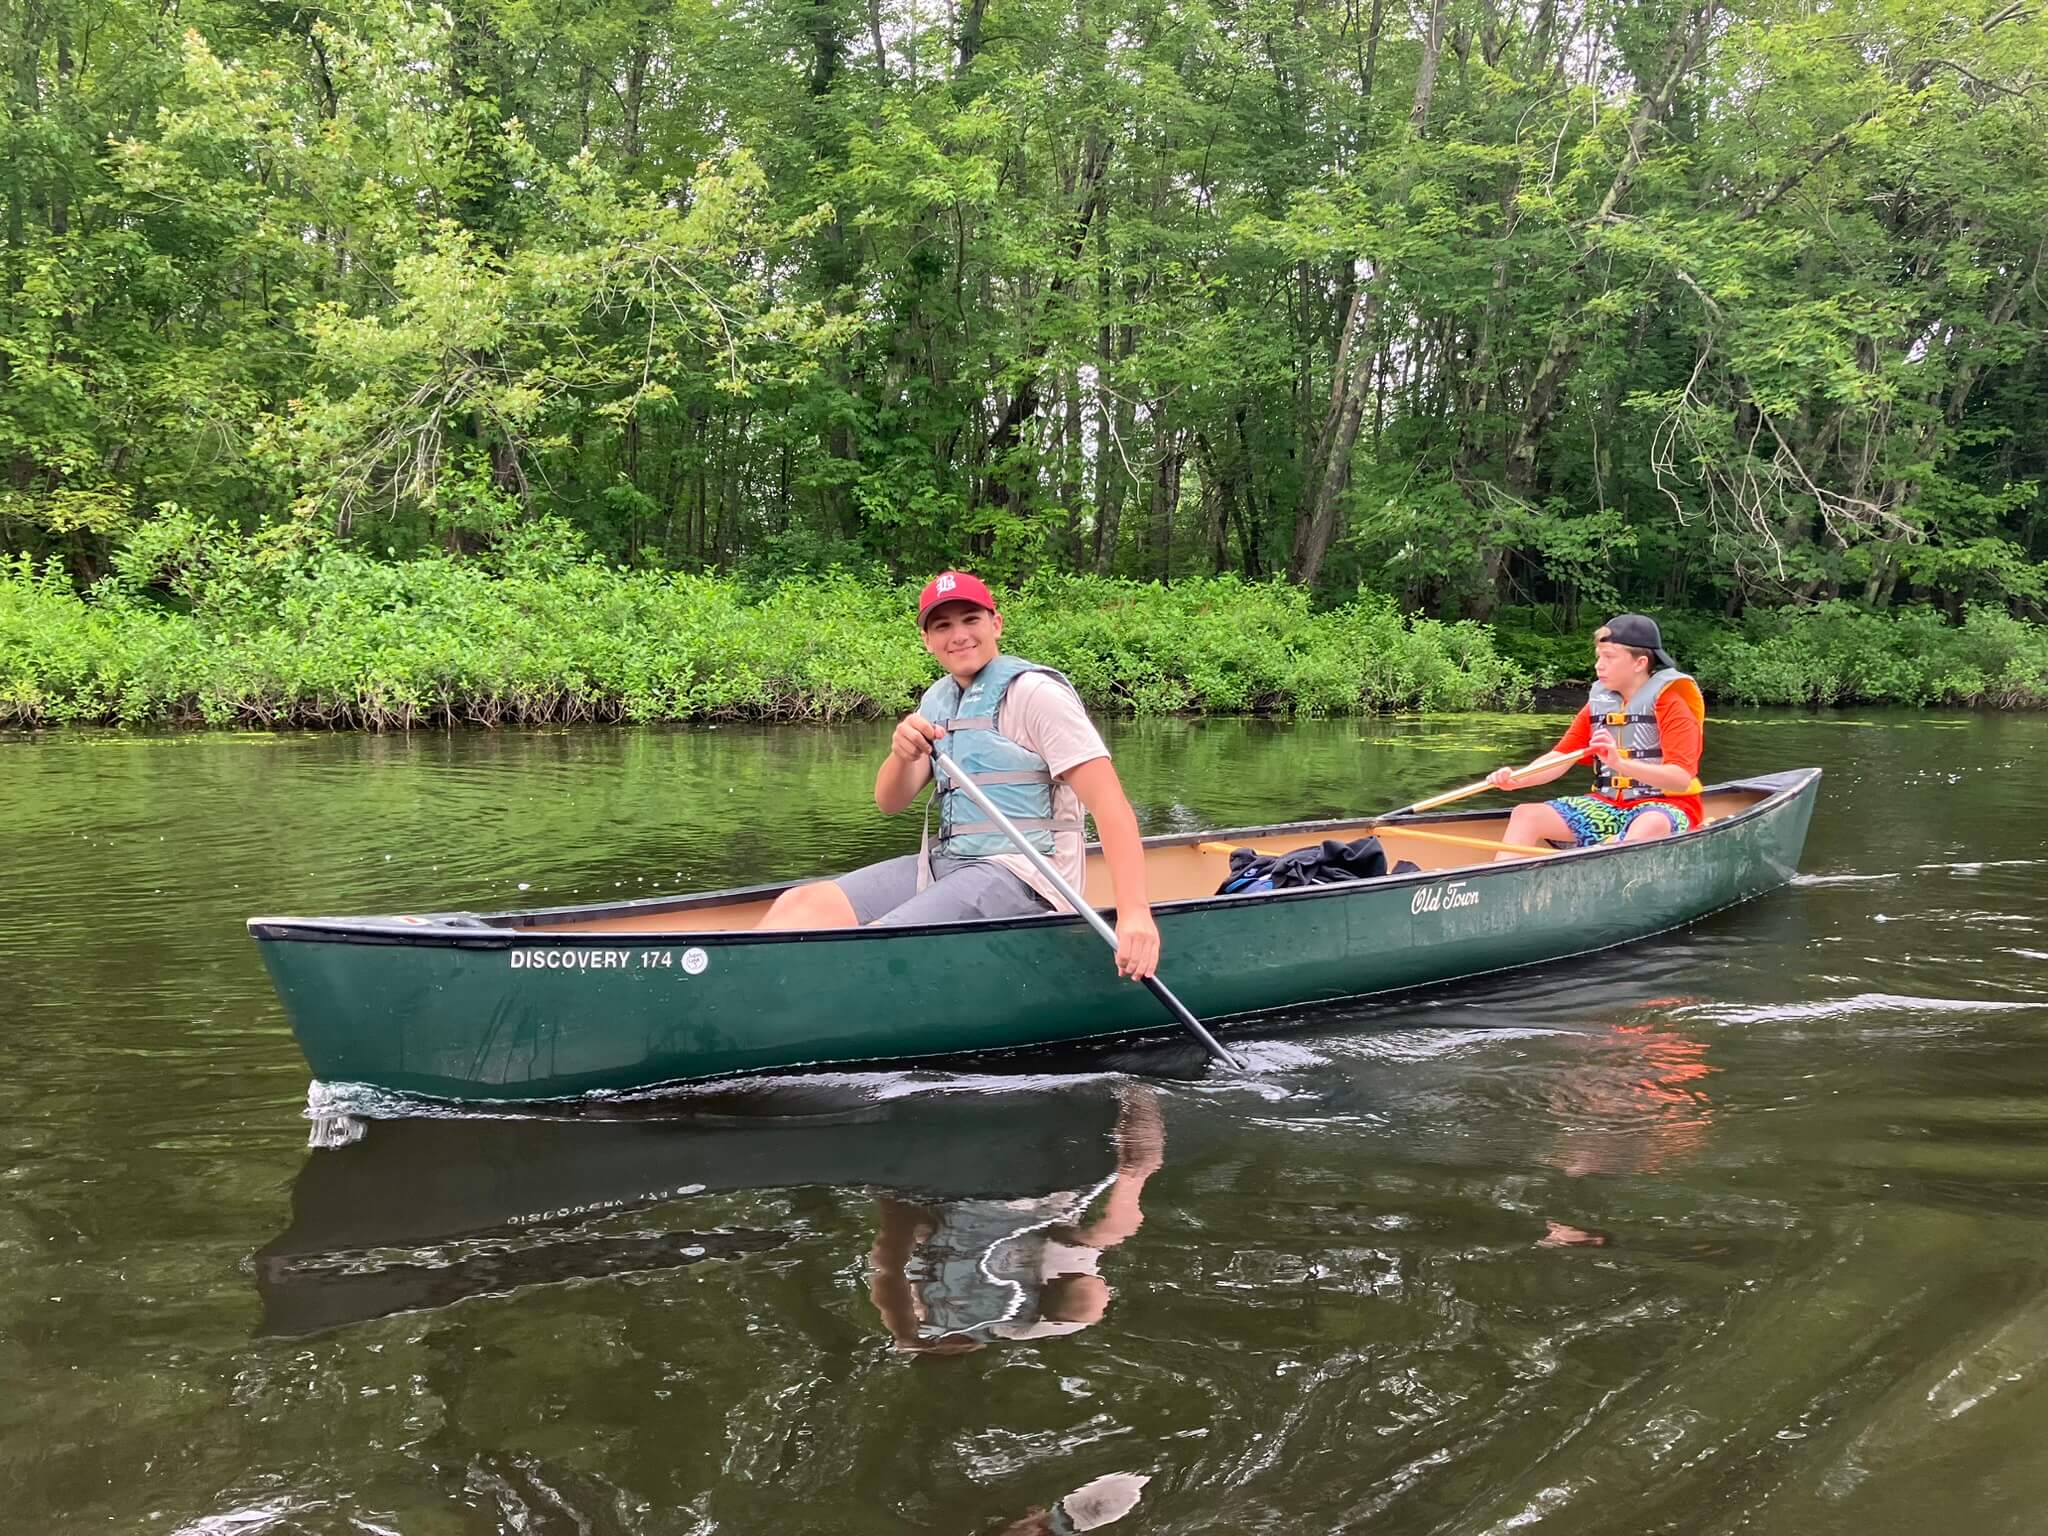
[1140, 1153]
[1528, 778]
[1669, 777]
[1137, 936]
[908, 767]
[889, 1286]
[1576, 737]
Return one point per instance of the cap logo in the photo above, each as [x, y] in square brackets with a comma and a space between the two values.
[945, 583]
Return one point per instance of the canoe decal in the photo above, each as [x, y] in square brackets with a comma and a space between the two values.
[610, 1203]
[575, 959]
[694, 961]
[1442, 898]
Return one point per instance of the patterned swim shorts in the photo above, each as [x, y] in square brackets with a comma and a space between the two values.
[1595, 821]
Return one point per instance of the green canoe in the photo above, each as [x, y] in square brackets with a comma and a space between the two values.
[567, 1001]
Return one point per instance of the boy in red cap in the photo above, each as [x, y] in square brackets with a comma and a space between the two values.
[1020, 732]
[1644, 724]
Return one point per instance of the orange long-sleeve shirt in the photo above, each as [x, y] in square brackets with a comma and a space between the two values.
[1682, 737]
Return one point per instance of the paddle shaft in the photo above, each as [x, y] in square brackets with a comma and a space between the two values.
[1039, 862]
[1450, 796]
[1548, 760]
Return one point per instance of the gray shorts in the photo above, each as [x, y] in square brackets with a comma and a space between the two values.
[886, 894]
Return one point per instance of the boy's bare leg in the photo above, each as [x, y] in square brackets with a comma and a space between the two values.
[818, 905]
[1535, 824]
[1647, 829]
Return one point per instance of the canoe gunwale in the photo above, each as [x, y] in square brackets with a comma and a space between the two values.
[477, 930]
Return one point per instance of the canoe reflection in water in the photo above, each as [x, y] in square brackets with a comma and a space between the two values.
[422, 1213]
[955, 1275]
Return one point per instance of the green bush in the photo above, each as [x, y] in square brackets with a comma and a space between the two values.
[327, 637]
[206, 627]
[1529, 638]
[1840, 654]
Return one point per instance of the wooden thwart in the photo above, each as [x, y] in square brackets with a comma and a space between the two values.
[1527, 850]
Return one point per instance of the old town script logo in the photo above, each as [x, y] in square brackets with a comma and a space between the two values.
[1442, 898]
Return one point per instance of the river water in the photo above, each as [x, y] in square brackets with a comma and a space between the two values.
[1739, 1229]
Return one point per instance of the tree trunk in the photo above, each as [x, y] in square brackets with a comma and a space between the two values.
[1425, 71]
[1115, 422]
[1072, 462]
[999, 489]
[1165, 495]
[1330, 468]
[969, 39]
[1688, 41]
[1251, 525]
[1351, 373]
[881, 48]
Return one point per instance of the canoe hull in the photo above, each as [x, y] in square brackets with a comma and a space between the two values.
[501, 1014]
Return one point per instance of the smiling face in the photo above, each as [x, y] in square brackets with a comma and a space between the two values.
[1619, 668]
[964, 637]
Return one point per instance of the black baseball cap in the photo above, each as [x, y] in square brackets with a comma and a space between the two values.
[1638, 632]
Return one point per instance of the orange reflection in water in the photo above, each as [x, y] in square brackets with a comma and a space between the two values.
[1636, 1104]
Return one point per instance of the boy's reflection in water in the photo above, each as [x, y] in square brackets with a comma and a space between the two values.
[952, 1275]
[1090, 1507]
[1637, 1105]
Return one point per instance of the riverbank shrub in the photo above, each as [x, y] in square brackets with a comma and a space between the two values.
[1840, 654]
[1552, 655]
[327, 637]
[1832, 654]
[217, 629]
[1228, 646]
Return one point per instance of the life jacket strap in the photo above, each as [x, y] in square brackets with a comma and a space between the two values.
[1021, 823]
[1604, 778]
[1013, 776]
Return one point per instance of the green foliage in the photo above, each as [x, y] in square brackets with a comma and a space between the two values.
[1232, 647]
[330, 637]
[1537, 643]
[1837, 654]
[203, 625]
[1475, 313]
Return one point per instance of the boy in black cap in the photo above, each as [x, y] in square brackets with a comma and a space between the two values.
[1644, 722]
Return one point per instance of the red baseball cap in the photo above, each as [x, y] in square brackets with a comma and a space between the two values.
[953, 587]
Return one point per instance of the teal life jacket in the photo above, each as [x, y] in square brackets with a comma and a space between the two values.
[1633, 724]
[1009, 773]
[984, 1268]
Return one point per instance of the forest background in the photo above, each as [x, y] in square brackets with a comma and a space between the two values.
[499, 360]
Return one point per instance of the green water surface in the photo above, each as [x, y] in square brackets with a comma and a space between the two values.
[1738, 1230]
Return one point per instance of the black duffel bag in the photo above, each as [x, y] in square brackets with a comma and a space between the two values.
[1328, 863]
